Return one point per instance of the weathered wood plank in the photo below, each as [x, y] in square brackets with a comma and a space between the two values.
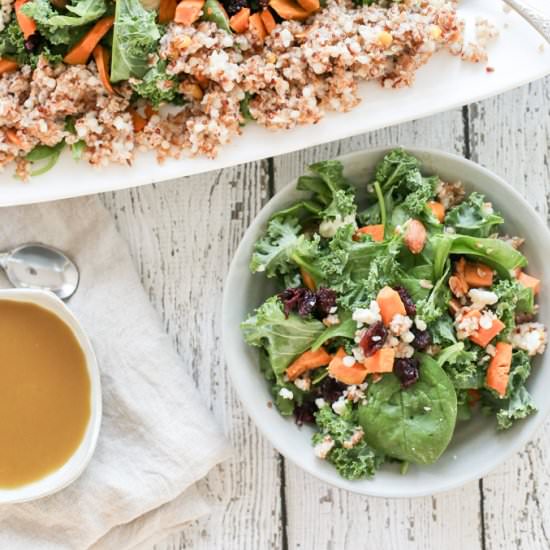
[323, 517]
[182, 235]
[511, 135]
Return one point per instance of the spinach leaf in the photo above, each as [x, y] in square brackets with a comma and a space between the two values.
[213, 11]
[473, 217]
[345, 329]
[414, 424]
[244, 107]
[283, 338]
[136, 35]
[494, 252]
[50, 156]
[357, 462]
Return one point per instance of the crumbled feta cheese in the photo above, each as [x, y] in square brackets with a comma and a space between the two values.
[323, 448]
[333, 309]
[427, 409]
[530, 337]
[339, 406]
[466, 325]
[420, 324]
[320, 403]
[400, 324]
[369, 315]
[491, 350]
[303, 384]
[348, 361]
[407, 337]
[358, 354]
[486, 320]
[286, 393]
[424, 283]
[328, 228]
[331, 320]
[481, 298]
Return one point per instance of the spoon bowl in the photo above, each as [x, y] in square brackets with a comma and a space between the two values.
[38, 266]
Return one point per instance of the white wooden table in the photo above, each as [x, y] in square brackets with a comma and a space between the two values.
[182, 235]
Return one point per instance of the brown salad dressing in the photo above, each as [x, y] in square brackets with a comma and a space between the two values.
[44, 393]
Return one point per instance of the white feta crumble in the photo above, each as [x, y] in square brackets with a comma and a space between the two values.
[286, 393]
[466, 325]
[303, 384]
[407, 337]
[530, 337]
[481, 298]
[427, 409]
[331, 320]
[400, 324]
[420, 324]
[491, 350]
[323, 448]
[348, 361]
[486, 320]
[339, 406]
[424, 283]
[328, 228]
[369, 315]
[320, 403]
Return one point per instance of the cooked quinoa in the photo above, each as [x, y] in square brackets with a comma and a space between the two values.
[301, 71]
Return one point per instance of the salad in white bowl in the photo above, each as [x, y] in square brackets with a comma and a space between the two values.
[401, 311]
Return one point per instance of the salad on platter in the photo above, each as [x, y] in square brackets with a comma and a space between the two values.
[107, 79]
[402, 309]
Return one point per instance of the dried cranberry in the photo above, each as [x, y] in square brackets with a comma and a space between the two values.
[373, 339]
[410, 306]
[32, 43]
[406, 371]
[422, 339]
[330, 390]
[300, 299]
[304, 413]
[234, 6]
[326, 300]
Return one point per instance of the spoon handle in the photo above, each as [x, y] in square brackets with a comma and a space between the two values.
[537, 18]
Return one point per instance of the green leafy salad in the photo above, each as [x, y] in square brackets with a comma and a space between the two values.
[397, 316]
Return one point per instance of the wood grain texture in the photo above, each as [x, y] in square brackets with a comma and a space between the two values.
[511, 135]
[182, 235]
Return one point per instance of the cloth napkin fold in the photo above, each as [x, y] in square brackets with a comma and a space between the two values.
[157, 438]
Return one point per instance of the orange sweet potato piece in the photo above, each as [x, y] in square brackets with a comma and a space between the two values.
[381, 361]
[257, 25]
[438, 210]
[529, 282]
[12, 136]
[239, 22]
[478, 275]
[81, 51]
[355, 374]
[26, 24]
[483, 336]
[101, 56]
[268, 20]
[167, 10]
[287, 9]
[375, 231]
[308, 280]
[310, 5]
[7, 66]
[188, 11]
[390, 304]
[307, 361]
[498, 372]
[138, 121]
[415, 236]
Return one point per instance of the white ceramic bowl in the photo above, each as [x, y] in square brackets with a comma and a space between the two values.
[76, 464]
[476, 447]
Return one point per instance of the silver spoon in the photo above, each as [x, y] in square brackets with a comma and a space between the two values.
[43, 267]
[535, 17]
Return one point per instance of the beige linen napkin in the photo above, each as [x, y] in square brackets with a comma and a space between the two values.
[157, 439]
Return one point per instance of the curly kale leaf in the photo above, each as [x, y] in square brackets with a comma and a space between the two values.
[12, 46]
[474, 216]
[357, 462]
[461, 366]
[157, 86]
[394, 167]
[433, 307]
[517, 403]
[283, 249]
[283, 338]
[419, 191]
[136, 35]
[513, 298]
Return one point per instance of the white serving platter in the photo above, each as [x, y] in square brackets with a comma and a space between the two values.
[518, 56]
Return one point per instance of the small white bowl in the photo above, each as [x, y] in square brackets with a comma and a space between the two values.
[476, 447]
[76, 464]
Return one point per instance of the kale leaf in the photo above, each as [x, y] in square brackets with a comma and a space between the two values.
[157, 86]
[474, 216]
